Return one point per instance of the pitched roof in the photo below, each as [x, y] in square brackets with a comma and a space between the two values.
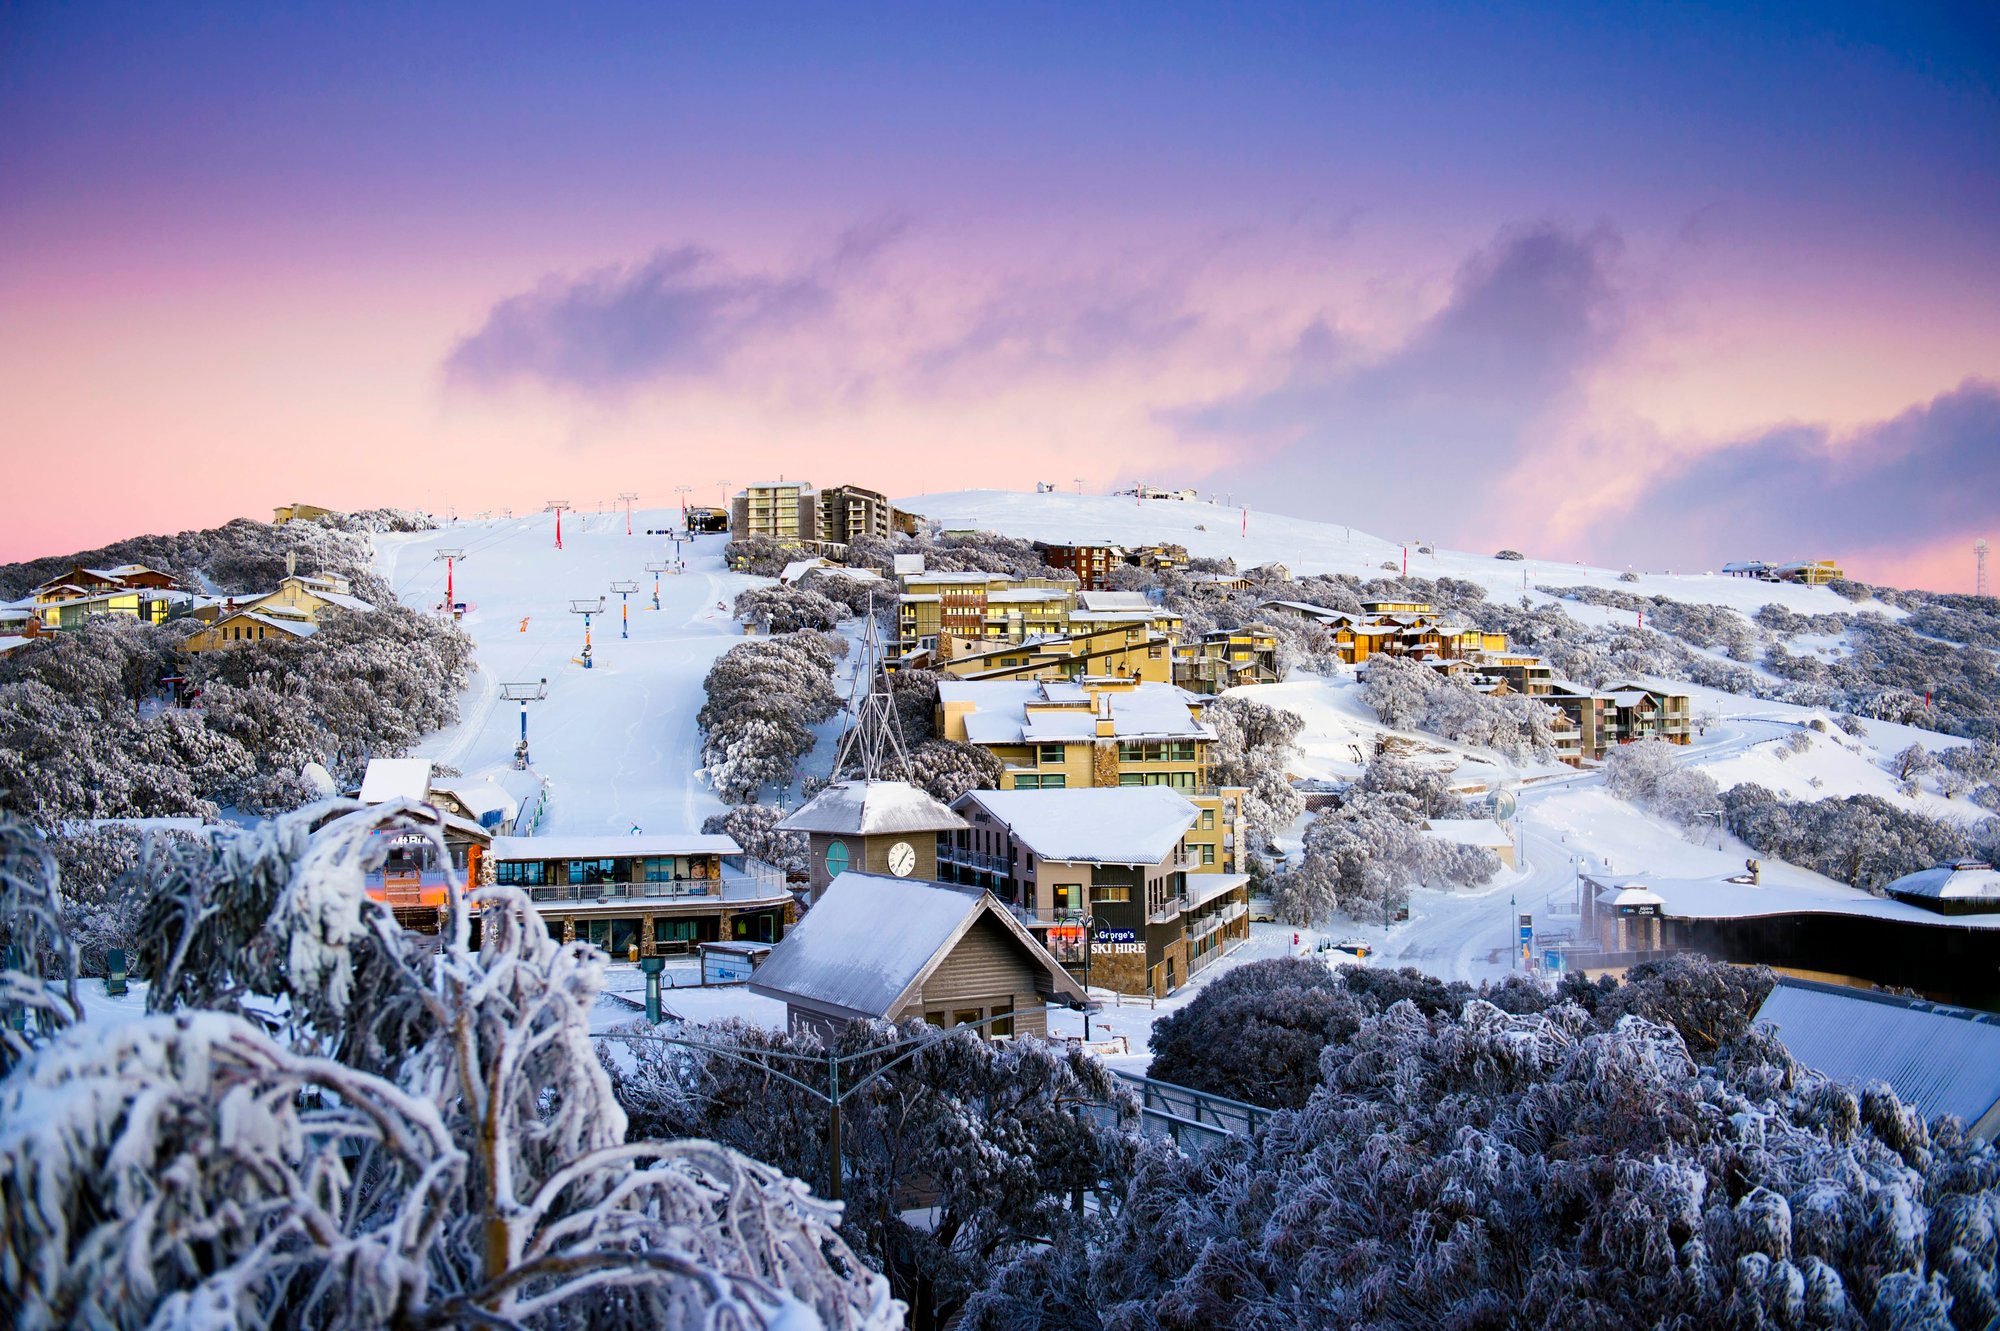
[1101, 824]
[396, 778]
[870, 941]
[1001, 711]
[866, 808]
[1943, 1060]
[1469, 831]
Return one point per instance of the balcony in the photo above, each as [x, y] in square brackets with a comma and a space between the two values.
[754, 881]
[976, 859]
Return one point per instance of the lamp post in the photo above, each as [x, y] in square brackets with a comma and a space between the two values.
[1084, 924]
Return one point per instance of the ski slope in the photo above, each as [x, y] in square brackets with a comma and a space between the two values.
[617, 743]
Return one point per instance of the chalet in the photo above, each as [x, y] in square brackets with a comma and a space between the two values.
[298, 513]
[661, 893]
[1107, 875]
[954, 957]
[243, 627]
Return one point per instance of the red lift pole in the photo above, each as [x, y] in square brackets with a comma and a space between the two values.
[557, 506]
[628, 496]
[450, 558]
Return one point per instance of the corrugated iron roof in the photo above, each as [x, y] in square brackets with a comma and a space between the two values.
[1943, 1060]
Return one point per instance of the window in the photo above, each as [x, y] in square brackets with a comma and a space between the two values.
[836, 858]
[1131, 779]
[616, 937]
[935, 1018]
[1069, 896]
[1181, 750]
[520, 873]
[1111, 892]
[675, 931]
[967, 1016]
[1208, 852]
[1046, 781]
[590, 873]
[1003, 1019]
[1049, 753]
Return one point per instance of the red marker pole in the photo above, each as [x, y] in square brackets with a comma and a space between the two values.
[558, 529]
[1406, 561]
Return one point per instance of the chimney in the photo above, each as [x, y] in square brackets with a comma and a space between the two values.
[1106, 727]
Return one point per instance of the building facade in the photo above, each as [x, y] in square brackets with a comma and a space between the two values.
[776, 510]
[1092, 564]
[850, 513]
[660, 894]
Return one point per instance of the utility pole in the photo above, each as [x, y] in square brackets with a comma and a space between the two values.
[624, 590]
[586, 608]
[524, 692]
[628, 496]
[557, 506]
[450, 558]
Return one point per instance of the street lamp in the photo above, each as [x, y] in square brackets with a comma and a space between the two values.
[1085, 925]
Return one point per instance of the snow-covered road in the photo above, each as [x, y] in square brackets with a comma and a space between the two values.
[618, 742]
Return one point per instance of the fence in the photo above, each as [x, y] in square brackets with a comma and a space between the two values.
[1189, 1118]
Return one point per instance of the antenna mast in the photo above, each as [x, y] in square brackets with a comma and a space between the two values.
[1980, 582]
[873, 734]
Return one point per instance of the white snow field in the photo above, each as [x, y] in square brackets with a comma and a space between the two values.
[1307, 546]
[617, 743]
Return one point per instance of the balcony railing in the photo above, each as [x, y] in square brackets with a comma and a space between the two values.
[976, 859]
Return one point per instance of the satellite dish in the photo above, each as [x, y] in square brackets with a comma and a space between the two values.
[1503, 804]
[320, 780]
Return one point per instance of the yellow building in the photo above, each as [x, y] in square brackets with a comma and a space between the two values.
[1117, 652]
[290, 612]
[298, 513]
[993, 606]
[245, 627]
[1052, 735]
[1225, 658]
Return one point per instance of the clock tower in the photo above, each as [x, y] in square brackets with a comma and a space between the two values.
[881, 827]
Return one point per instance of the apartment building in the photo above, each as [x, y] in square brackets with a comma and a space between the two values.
[1224, 658]
[849, 513]
[777, 510]
[1108, 878]
[1116, 652]
[1097, 733]
[1092, 564]
[993, 606]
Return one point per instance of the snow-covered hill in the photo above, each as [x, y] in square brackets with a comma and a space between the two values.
[1307, 546]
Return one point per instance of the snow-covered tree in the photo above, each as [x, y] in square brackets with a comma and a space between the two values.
[764, 697]
[1410, 696]
[755, 828]
[192, 1170]
[789, 609]
[1651, 773]
[995, 1140]
[1253, 747]
[1863, 840]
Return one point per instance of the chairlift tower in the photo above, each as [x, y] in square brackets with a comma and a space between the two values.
[450, 558]
[873, 734]
[624, 590]
[524, 692]
[586, 607]
[628, 496]
[656, 567]
[556, 506]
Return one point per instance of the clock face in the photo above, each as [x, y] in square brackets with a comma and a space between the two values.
[902, 859]
[836, 858]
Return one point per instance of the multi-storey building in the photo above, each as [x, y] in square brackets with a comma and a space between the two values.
[1101, 733]
[1224, 658]
[849, 513]
[993, 606]
[1092, 564]
[1115, 652]
[662, 894]
[777, 510]
[1111, 879]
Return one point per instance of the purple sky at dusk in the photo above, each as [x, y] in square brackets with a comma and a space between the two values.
[1651, 285]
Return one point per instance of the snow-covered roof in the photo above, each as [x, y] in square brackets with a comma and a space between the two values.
[1943, 1060]
[1113, 601]
[1026, 595]
[612, 847]
[798, 568]
[866, 808]
[1101, 824]
[1011, 711]
[871, 940]
[1716, 898]
[396, 778]
[1469, 832]
[1310, 610]
[1951, 882]
[13, 642]
[1632, 895]
[483, 797]
[1203, 888]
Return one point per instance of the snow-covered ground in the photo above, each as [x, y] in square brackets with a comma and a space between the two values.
[618, 742]
[1305, 546]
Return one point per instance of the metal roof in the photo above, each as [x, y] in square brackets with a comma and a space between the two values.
[866, 808]
[1943, 1060]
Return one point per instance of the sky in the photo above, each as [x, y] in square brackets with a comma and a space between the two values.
[1651, 285]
